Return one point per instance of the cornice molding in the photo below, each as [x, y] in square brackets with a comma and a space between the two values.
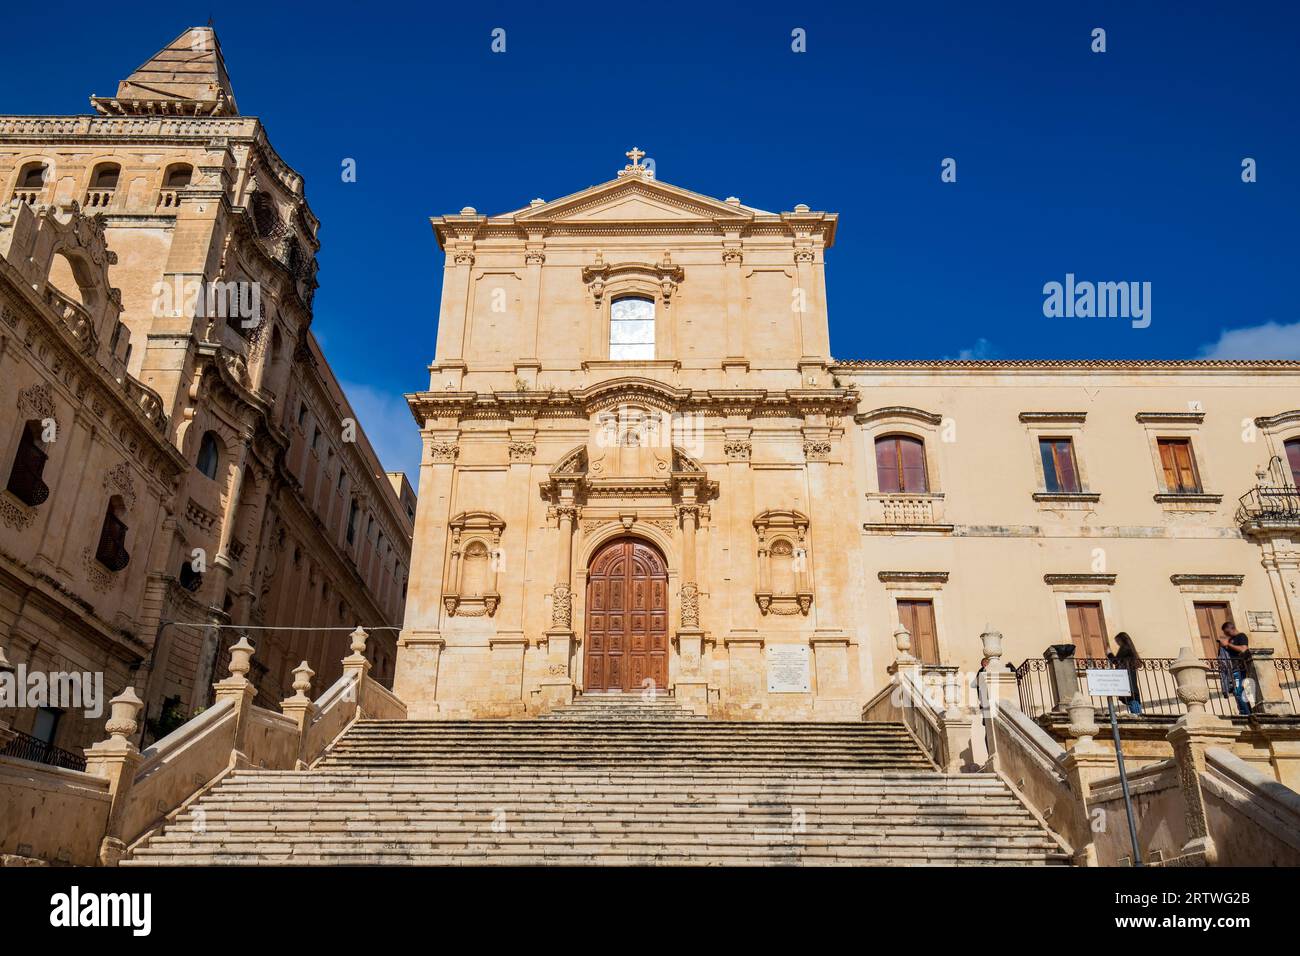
[1084, 578]
[1053, 418]
[1207, 580]
[888, 412]
[913, 577]
[1170, 418]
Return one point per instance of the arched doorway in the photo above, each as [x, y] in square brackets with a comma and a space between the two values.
[627, 617]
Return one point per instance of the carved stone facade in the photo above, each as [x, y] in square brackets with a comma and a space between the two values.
[796, 499]
[248, 493]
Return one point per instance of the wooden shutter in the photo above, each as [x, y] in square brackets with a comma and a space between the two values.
[1179, 466]
[1087, 629]
[918, 618]
[912, 465]
[1210, 618]
[887, 465]
[1059, 473]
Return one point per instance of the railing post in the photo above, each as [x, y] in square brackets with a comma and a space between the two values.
[238, 689]
[955, 721]
[301, 709]
[999, 683]
[357, 666]
[1264, 670]
[1064, 673]
[116, 759]
[1193, 734]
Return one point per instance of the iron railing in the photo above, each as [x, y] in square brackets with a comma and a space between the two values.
[26, 747]
[1269, 504]
[1157, 691]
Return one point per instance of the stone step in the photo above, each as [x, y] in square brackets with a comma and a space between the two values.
[609, 783]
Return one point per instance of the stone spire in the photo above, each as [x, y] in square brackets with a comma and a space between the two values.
[185, 78]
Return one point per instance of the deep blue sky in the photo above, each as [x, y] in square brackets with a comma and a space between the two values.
[1117, 166]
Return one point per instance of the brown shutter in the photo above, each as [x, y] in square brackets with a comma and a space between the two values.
[918, 618]
[1210, 618]
[1087, 629]
[1170, 466]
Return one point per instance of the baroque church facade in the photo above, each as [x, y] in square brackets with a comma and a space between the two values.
[644, 470]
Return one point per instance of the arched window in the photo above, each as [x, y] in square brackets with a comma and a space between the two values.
[33, 175]
[25, 482]
[352, 521]
[209, 455]
[105, 176]
[111, 552]
[103, 183]
[178, 176]
[632, 328]
[1293, 459]
[31, 180]
[900, 465]
[190, 579]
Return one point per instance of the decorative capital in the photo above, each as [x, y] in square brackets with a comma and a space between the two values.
[444, 451]
[534, 257]
[817, 450]
[522, 450]
[738, 450]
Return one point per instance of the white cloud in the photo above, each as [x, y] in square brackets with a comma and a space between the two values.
[982, 349]
[1268, 341]
[387, 422]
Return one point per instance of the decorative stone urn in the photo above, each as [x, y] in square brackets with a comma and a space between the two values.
[1083, 723]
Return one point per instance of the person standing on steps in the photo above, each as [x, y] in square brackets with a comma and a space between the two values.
[1233, 648]
[1126, 656]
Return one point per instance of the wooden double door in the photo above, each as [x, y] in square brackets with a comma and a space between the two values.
[627, 618]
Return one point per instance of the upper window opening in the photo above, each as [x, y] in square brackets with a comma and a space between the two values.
[1059, 472]
[1293, 459]
[632, 328]
[900, 465]
[33, 176]
[29, 465]
[209, 455]
[105, 176]
[1179, 464]
[178, 176]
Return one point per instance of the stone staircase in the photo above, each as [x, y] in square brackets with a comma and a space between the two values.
[609, 781]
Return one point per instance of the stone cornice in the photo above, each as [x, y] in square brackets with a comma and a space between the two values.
[1056, 365]
[1170, 418]
[1207, 580]
[1082, 578]
[898, 411]
[1053, 418]
[913, 577]
[582, 403]
[1291, 417]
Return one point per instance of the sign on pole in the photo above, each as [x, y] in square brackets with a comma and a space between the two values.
[1111, 683]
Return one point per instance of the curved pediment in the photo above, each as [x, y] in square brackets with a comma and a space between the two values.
[631, 390]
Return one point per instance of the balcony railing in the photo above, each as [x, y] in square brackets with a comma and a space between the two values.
[26, 747]
[168, 199]
[1156, 688]
[99, 198]
[31, 196]
[1269, 505]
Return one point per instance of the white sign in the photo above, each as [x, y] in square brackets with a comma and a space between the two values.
[787, 669]
[1109, 683]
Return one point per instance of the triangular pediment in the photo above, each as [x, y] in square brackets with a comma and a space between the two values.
[635, 200]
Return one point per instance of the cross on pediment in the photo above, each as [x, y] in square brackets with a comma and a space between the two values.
[635, 155]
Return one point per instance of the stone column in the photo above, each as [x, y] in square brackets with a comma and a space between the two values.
[557, 686]
[116, 759]
[691, 688]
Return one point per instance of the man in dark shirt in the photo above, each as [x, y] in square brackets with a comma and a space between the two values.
[1233, 646]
